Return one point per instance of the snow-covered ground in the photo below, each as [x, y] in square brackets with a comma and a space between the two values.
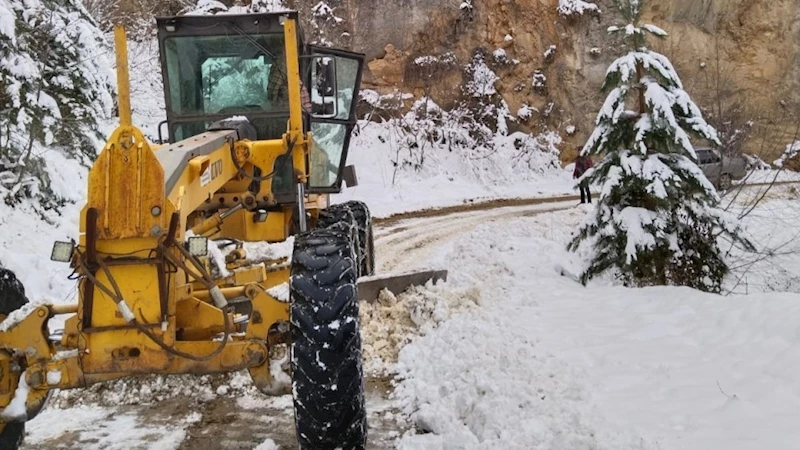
[543, 362]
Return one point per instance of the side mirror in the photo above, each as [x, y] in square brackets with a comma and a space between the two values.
[349, 176]
[324, 89]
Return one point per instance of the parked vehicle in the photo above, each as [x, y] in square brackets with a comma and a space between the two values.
[721, 170]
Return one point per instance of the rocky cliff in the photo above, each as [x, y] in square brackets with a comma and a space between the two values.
[738, 58]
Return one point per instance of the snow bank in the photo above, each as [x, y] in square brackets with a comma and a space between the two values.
[544, 363]
[775, 267]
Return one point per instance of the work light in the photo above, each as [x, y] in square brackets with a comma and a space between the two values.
[198, 246]
[62, 251]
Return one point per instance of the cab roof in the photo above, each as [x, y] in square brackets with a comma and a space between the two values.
[209, 25]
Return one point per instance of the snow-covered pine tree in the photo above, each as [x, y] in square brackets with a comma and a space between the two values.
[657, 221]
[55, 89]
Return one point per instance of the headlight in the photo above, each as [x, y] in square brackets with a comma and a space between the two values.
[62, 251]
[198, 246]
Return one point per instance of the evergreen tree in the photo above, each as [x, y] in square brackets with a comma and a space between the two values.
[657, 221]
[54, 92]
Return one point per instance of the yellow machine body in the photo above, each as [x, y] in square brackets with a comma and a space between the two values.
[131, 259]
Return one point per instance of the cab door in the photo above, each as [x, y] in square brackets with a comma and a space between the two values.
[333, 80]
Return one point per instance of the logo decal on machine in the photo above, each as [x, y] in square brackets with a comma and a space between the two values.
[211, 173]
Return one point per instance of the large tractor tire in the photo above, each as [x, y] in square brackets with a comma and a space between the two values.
[327, 375]
[12, 298]
[363, 223]
[341, 218]
[366, 240]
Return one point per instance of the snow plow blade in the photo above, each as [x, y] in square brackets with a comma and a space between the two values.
[370, 287]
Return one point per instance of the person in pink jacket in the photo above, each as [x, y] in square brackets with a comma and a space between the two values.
[582, 164]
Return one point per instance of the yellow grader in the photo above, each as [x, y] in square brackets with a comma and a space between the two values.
[259, 127]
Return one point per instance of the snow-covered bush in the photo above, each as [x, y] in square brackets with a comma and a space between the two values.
[482, 111]
[657, 221]
[326, 27]
[375, 107]
[55, 89]
[476, 128]
[550, 53]
[525, 112]
[427, 131]
[501, 57]
[539, 80]
[756, 163]
[791, 152]
[537, 152]
[425, 127]
[428, 68]
[579, 7]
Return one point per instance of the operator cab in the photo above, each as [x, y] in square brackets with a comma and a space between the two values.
[223, 66]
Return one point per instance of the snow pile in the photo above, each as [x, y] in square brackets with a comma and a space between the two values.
[539, 80]
[442, 61]
[391, 322]
[157, 388]
[550, 52]
[18, 316]
[264, 251]
[525, 112]
[579, 7]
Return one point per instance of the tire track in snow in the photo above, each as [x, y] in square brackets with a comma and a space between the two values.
[408, 243]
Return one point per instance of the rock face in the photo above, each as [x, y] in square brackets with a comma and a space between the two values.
[739, 59]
